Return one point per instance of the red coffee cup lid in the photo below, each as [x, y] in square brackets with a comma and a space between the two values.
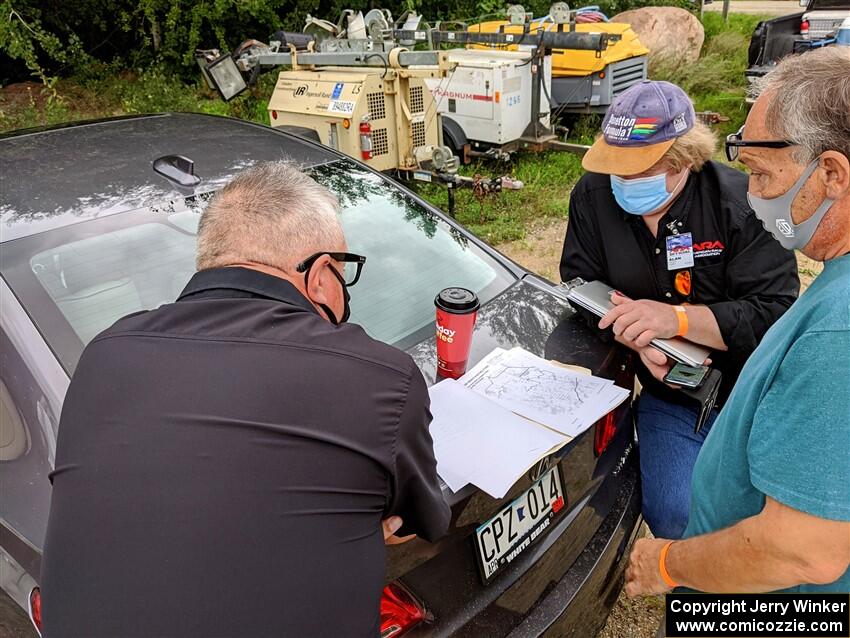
[457, 300]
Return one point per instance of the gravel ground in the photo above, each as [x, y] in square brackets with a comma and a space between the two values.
[634, 618]
[758, 7]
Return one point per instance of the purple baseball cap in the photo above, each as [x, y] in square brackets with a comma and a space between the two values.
[639, 127]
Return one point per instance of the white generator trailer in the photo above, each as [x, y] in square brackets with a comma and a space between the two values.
[485, 103]
[495, 101]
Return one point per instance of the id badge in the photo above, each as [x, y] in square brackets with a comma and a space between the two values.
[680, 251]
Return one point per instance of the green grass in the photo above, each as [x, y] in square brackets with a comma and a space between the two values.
[715, 82]
[128, 92]
[501, 217]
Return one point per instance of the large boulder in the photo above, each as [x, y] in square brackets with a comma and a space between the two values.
[668, 32]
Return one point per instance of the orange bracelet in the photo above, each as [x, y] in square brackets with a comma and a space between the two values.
[662, 567]
[682, 316]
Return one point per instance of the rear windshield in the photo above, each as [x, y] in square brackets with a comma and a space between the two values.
[822, 5]
[78, 280]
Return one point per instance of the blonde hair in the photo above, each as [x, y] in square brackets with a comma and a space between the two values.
[270, 214]
[694, 148]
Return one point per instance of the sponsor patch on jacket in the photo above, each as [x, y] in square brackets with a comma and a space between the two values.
[708, 249]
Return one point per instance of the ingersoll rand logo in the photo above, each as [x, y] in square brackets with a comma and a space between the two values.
[301, 90]
[444, 334]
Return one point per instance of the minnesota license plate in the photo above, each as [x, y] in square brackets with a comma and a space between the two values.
[519, 525]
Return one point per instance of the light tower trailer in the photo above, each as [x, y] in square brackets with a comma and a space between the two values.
[371, 105]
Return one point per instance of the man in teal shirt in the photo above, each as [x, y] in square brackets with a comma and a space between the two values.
[770, 503]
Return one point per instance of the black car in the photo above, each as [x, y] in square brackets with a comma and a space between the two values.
[91, 232]
[814, 27]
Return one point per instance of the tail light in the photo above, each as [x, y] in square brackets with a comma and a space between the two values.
[606, 428]
[365, 138]
[274, 115]
[35, 608]
[400, 611]
[804, 27]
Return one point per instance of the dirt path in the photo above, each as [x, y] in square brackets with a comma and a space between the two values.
[758, 7]
[540, 251]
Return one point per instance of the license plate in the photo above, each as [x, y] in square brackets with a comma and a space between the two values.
[519, 525]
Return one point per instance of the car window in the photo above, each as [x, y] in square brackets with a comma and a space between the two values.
[823, 5]
[96, 280]
[410, 255]
[78, 280]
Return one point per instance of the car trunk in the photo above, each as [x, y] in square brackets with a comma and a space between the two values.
[528, 315]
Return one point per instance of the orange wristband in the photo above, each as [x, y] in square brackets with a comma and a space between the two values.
[682, 316]
[662, 567]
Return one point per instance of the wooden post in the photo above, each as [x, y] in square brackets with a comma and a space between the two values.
[726, 10]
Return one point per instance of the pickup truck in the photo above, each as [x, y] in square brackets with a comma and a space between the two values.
[814, 27]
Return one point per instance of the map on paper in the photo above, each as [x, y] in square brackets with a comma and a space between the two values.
[561, 399]
[508, 412]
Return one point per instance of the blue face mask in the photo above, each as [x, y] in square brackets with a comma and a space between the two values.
[642, 195]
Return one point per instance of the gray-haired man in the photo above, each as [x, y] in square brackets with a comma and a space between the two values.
[770, 506]
[224, 462]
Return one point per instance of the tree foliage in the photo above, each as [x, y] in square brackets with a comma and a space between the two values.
[46, 38]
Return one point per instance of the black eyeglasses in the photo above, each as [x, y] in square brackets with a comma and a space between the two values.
[734, 142]
[351, 265]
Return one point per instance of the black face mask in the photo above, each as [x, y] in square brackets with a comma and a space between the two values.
[346, 313]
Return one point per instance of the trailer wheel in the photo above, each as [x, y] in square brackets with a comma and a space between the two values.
[454, 137]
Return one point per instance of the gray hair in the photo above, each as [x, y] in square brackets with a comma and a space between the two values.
[810, 101]
[271, 214]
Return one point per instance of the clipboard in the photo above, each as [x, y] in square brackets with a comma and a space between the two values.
[595, 296]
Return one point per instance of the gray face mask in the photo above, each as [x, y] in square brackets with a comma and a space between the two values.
[775, 214]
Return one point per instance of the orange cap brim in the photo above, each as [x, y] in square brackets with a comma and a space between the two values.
[622, 160]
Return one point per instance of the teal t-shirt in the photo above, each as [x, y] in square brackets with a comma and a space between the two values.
[785, 430]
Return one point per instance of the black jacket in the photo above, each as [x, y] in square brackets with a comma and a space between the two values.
[223, 466]
[740, 272]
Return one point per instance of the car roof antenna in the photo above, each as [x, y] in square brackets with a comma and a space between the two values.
[177, 169]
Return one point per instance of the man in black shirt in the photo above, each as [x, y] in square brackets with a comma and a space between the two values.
[672, 232]
[225, 462]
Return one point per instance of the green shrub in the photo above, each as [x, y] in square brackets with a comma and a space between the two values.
[70, 36]
[64, 37]
[716, 80]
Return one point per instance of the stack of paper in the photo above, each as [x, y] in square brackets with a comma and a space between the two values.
[508, 412]
[479, 442]
[560, 399]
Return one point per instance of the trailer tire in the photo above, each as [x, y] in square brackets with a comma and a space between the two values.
[453, 136]
[301, 131]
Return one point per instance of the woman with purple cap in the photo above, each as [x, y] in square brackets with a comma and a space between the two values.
[672, 232]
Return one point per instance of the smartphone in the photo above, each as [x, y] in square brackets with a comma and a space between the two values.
[686, 376]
